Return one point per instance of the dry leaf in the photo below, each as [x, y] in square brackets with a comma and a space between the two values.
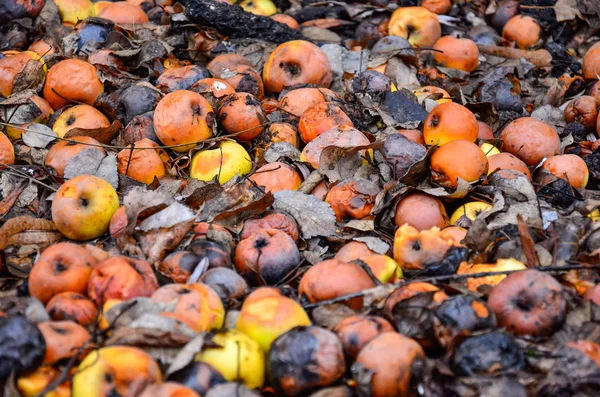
[566, 10]
[315, 217]
[21, 224]
[38, 135]
[93, 162]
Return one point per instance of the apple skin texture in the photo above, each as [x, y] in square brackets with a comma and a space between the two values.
[83, 206]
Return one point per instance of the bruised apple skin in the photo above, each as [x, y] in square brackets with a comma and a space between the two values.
[529, 302]
[122, 278]
[416, 24]
[296, 62]
[63, 267]
[197, 305]
[265, 319]
[114, 371]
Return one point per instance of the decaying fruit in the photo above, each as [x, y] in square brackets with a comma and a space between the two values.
[569, 167]
[72, 306]
[421, 211]
[236, 356]
[523, 30]
[449, 122]
[182, 119]
[456, 53]
[304, 358]
[470, 210]
[82, 86]
[114, 370]
[266, 257]
[276, 176]
[224, 162]
[352, 198]
[332, 278]
[63, 267]
[415, 250]
[530, 140]
[458, 159]
[529, 303]
[356, 331]
[416, 24]
[121, 277]
[390, 356]
[83, 206]
[196, 305]
[265, 319]
[501, 265]
[296, 62]
[63, 339]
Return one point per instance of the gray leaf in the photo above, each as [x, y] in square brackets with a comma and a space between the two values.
[281, 149]
[315, 217]
[93, 162]
[38, 135]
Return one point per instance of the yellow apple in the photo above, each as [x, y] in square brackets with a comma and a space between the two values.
[501, 265]
[470, 210]
[79, 116]
[32, 383]
[82, 207]
[224, 161]
[73, 11]
[383, 267]
[489, 149]
[266, 319]
[259, 7]
[114, 370]
[237, 357]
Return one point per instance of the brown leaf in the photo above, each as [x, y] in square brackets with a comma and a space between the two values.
[102, 135]
[9, 201]
[157, 243]
[233, 220]
[528, 243]
[339, 163]
[23, 224]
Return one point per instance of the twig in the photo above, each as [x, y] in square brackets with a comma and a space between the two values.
[537, 57]
[451, 277]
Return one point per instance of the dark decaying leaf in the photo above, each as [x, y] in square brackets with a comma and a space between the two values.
[327, 316]
[400, 109]
[487, 353]
[406, 156]
[315, 217]
[414, 316]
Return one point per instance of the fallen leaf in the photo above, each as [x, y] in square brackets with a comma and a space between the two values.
[315, 217]
[22, 224]
[170, 216]
[186, 354]
[566, 10]
[93, 162]
[102, 135]
[375, 244]
[38, 135]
